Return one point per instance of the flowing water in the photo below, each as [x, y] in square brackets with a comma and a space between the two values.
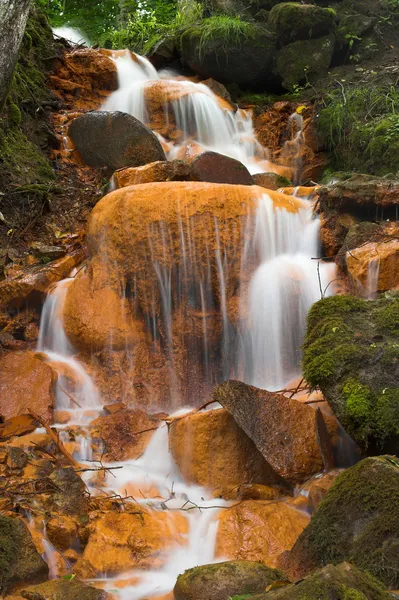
[264, 349]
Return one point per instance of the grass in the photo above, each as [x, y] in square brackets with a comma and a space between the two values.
[360, 126]
[226, 30]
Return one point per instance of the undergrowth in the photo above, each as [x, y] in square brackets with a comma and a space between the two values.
[226, 30]
[360, 126]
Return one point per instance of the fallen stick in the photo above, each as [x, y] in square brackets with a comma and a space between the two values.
[72, 399]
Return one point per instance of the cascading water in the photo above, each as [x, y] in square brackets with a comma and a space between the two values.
[75, 389]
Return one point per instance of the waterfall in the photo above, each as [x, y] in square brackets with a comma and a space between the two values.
[75, 390]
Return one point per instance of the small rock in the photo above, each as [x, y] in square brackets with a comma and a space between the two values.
[174, 170]
[71, 498]
[17, 458]
[45, 251]
[111, 409]
[115, 140]
[218, 168]
[270, 181]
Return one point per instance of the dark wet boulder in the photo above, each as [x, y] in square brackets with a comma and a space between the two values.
[294, 21]
[357, 521]
[62, 589]
[271, 181]
[351, 353]
[246, 60]
[283, 430]
[340, 582]
[70, 495]
[20, 562]
[304, 60]
[218, 168]
[224, 580]
[115, 140]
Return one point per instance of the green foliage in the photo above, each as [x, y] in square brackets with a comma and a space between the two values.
[360, 126]
[226, 30]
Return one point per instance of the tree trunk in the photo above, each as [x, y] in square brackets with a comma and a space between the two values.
[13, 17]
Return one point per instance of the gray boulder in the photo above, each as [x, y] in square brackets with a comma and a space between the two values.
[218, 168]
[115, 140]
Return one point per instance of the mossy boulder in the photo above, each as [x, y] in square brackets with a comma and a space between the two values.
[294, 21]
[224, 580]
[357, 521]
[341, 582]
[245, 57]
[351, 352]
[20, 562]
[304, 60]
[61, 589]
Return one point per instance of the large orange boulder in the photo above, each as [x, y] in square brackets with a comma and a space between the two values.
[375, 266]
[139, 295]
[258, 531]
[211, 450]
[283, 430]
[123, 541]
[26, 382]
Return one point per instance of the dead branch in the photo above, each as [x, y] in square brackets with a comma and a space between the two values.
[72, 398]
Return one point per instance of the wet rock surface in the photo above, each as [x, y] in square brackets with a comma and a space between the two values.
[174, 170]
[64, 590]
[217, 168]
[276, 425]
[115, 140]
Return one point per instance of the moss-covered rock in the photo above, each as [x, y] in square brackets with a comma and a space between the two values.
[61, 589]
[223, 580]
[231, 51]
[358, 521]
[20, 562]
[359, 234]
[304, 60]
[341, 582]
[351, 352]
[293, 21]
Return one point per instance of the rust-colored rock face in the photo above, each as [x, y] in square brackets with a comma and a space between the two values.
[211, 450]
[123, 541]
[153, 285]
[283, 429]
[84, 78]
[26, 382]
[118, 434]
[259, 531]
[375, 266]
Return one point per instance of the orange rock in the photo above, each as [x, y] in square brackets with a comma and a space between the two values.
[29, 286]
[316, 488]
[84, 78]
[26, 382]
[61, 532]
[174, 170]
[258, 531]
[20, 425]
[123, 541]
[211, 450]
[189, 151]
[250, 491]
[385, 255]
[118, 433]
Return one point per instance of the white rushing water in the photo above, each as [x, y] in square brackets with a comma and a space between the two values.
[72, 35]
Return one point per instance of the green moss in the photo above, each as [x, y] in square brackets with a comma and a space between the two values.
[351, 352]
[294, 21]
[9, 548]
[304, 60]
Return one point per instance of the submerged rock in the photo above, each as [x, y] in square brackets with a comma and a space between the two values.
[211, 450]
[61, 589]
[258, 530]
[218, 168]
[248, 63]
[26, 382]
[115, 140]
[340, 582]
[20, 562]
[224, 580]
[351, 353]
[358, 520]
[283, 430]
